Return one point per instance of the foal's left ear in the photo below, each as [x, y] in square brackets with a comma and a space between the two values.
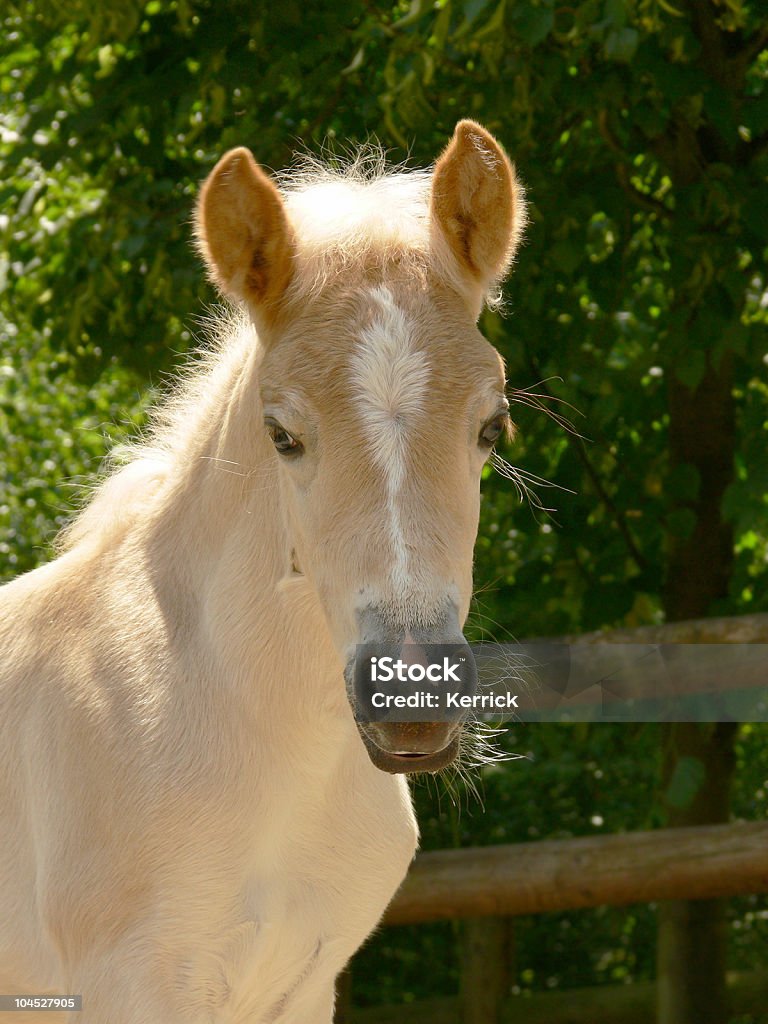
[477, 208]
[243, 232]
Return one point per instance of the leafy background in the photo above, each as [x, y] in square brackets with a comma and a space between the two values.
[638, 310]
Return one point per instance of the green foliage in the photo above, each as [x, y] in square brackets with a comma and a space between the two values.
[55, 431]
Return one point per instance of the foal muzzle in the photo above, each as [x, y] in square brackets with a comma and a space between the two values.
[405, 687]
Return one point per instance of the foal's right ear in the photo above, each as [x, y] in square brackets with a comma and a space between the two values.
[243, 233]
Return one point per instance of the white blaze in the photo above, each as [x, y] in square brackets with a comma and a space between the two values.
[390, 379]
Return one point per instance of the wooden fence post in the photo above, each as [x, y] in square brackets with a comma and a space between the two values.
[486, 968]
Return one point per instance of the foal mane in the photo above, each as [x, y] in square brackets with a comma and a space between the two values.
[355, 212]
[134, 471]
[360, 210]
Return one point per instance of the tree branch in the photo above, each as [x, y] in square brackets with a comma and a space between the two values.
[581, 453]
[753, 47]
[647, 202]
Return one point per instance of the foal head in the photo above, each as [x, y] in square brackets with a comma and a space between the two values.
[381, 398]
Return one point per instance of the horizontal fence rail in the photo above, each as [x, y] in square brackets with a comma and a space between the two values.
[603, 1004]
[706, 862]
[732, 629]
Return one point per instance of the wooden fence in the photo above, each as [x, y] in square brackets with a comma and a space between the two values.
[489, 886]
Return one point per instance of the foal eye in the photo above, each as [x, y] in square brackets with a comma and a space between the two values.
[492, 430]
[285, 443]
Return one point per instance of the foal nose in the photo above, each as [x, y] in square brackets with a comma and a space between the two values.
[408, 683]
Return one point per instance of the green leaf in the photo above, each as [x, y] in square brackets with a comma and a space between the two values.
[687, 779]
[681, 522]
[567, 255]
[621, 43]
[690, 371]
[683, 483]
[471, 9]
[533, 24]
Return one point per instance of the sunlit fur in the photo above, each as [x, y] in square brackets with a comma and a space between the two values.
[361, 211]
[192, 829]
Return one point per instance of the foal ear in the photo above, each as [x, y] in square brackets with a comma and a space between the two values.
[243, 232]
[477, 206]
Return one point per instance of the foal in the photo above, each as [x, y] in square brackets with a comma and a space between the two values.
[195, 828]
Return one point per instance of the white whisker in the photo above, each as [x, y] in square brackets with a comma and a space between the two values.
[536, 399]
[525, 483]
